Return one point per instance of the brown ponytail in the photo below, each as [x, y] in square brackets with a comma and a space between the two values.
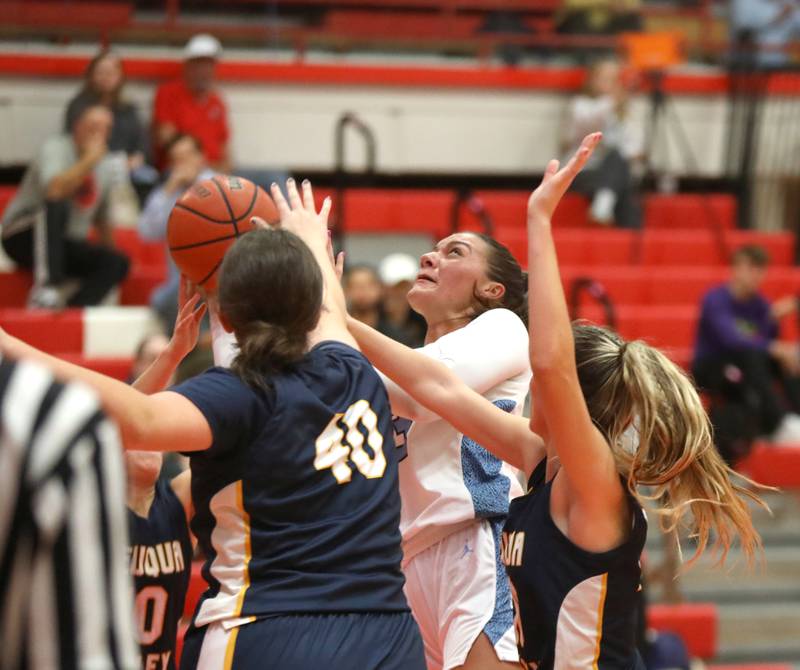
[270, 292]
[503, 268]
[633, 383]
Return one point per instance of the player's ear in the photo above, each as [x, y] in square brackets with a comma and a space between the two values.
[493, 290]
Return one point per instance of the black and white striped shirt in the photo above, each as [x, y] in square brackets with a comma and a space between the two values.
[65, 593]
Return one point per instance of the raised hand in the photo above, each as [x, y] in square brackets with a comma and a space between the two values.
[187, 325]
[299, 215]
[545, 198]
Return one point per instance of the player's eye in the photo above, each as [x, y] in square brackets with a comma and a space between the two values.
[455, 250]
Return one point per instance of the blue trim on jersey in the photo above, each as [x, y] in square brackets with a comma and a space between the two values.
[487, 487]
[503, 615]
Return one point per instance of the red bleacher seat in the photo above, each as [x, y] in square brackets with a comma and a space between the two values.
[7, 194]
[401, 24]
[182, 628]
[197, 586]
[688, 211]
[664, 327]
[681, 247]
[119, 368]
[140, 284]
[141, 252]
[779, 246]
[53, 332]
[702, 247]
[773, 465]
[14, 288]
[696, 623]
[398, 211]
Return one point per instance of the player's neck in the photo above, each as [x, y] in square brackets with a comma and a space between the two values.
[140, 499]
[437, 329]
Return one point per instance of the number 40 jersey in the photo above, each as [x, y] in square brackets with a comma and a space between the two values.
[161, 563]
[296, 502]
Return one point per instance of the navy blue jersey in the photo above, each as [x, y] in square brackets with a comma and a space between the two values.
[296, 502]
[574, 608]
[161, 564]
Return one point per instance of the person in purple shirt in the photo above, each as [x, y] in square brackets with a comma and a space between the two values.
[737, 345]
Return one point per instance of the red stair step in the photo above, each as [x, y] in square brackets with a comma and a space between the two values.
[53, 332]
[773, 465]
[695, 623]
[197, 587]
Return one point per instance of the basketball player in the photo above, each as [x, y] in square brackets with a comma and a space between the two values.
[455, 494]
[159, 512]
[160, 554]
[609, 416]
[472, 294]
[295, 497]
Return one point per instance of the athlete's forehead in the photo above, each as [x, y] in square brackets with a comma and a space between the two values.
[467, 239]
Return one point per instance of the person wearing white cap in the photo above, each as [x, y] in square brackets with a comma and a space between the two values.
[191, 105]
[398, 271]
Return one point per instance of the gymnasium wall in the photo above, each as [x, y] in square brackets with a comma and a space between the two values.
[444, 121]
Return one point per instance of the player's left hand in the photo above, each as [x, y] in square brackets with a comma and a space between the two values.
[545, 198]
[299, 215]
[187, 325]
[337, 261]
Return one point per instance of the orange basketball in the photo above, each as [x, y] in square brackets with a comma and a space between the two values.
[206, 221]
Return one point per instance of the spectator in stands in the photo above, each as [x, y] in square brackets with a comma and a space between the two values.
[66, 190]
[150, 348]
[598, 17]
[737, 342]
[364, 293]
[609, 177]
[103, 83]
[398, 272]
[762, 30]
[186, 165]
[192, 106]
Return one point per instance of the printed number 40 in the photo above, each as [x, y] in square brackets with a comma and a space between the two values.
[335, 446]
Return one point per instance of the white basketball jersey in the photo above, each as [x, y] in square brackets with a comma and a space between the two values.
[447, 480]
[223, 343]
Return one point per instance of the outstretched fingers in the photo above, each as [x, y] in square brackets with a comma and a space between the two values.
[588, 145]
[280, 201]
[295, 201]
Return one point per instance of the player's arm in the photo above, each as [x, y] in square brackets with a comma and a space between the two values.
[586, 460]
[182, 488]
[183, 340]
[300, 217]
[440, 390]
[482, 354]
[161, 422]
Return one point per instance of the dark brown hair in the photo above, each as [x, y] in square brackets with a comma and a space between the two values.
[270, 292]
[502, 267]
[752, 253]
[89, 74]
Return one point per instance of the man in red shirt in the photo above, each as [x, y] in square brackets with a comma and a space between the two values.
[191, 106]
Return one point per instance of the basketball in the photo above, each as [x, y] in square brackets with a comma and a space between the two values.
[206, 221]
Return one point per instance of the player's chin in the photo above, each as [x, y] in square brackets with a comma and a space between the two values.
[421, 295]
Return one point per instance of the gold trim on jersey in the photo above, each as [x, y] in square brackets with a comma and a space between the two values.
[600, 610]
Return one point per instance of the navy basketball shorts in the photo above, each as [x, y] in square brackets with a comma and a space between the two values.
[389, 641]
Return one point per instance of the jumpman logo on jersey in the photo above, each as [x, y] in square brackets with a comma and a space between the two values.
[467, 550]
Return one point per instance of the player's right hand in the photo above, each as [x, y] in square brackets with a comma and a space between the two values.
[299, 215]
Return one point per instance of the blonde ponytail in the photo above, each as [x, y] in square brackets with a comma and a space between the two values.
[694, 489]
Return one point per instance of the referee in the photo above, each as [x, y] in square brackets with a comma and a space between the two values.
[65, 592]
